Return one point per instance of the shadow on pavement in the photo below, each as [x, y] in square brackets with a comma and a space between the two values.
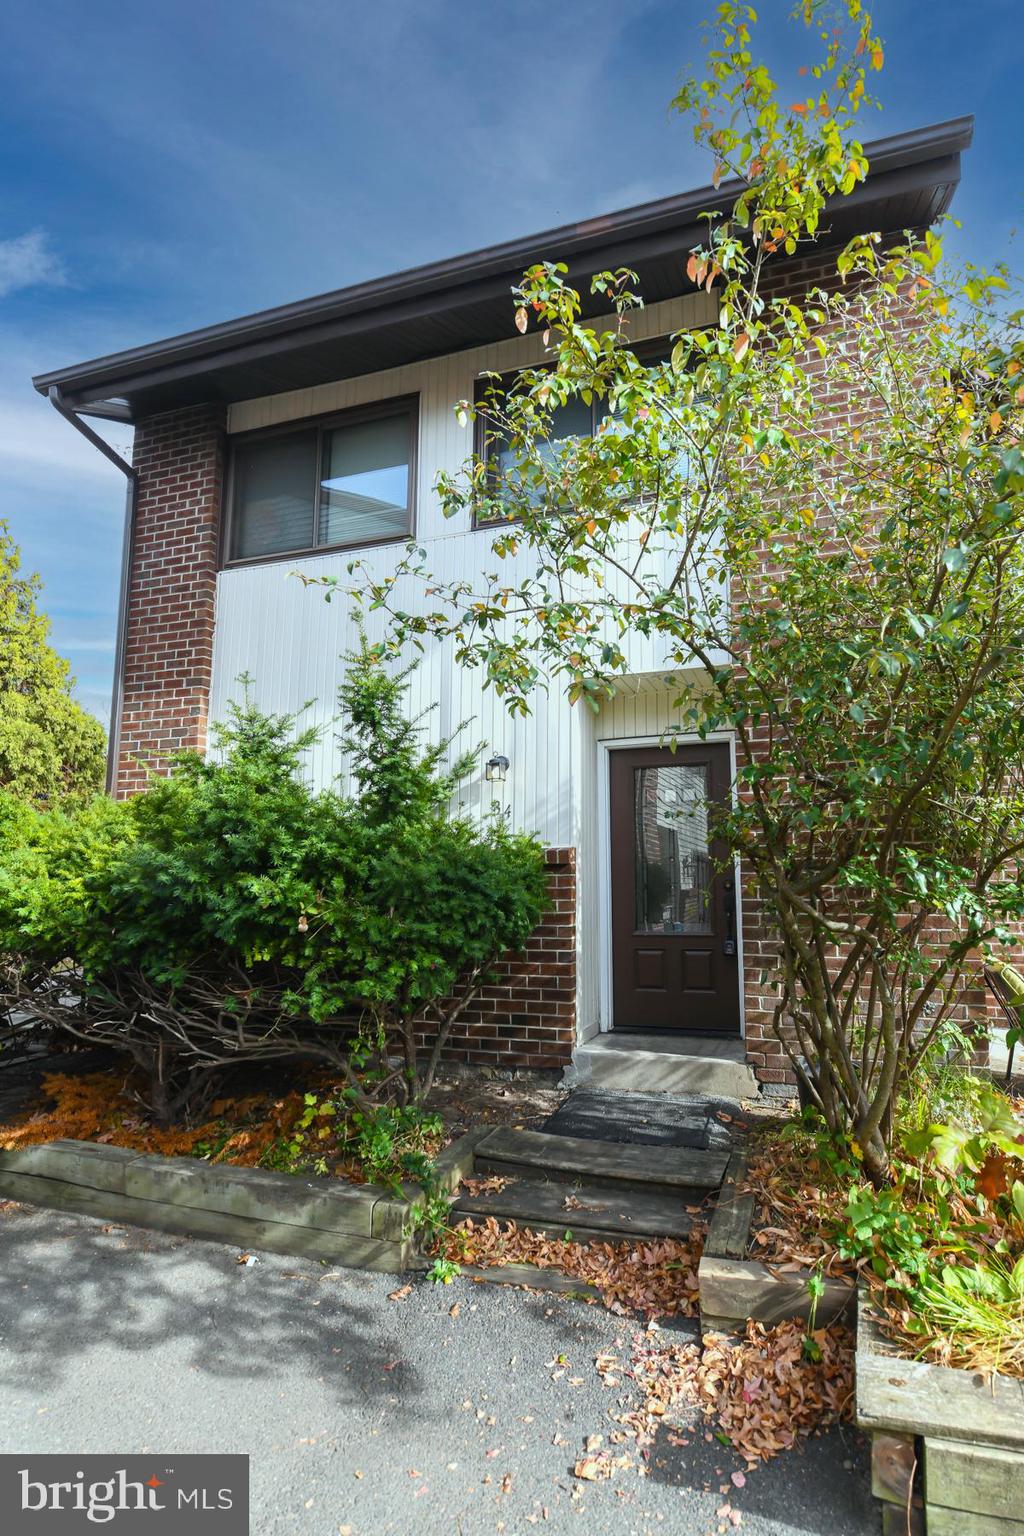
[74, 1285]
[825, 1478]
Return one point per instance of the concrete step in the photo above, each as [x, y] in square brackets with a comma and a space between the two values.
[651, 1063]
[570, 1159]
[593, 1214]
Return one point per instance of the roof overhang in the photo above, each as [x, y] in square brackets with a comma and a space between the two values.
[463, 301]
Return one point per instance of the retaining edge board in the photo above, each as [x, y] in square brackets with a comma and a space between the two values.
[735, 1289]
[359, 1226]
[918, 1398]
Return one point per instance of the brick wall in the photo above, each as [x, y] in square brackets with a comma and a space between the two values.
[169, 638]
[837, 411]
[528, 1017]
[790, 278]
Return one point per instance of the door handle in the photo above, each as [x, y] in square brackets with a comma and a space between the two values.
[729, 942]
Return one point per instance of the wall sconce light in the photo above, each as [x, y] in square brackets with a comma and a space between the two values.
[496, 769]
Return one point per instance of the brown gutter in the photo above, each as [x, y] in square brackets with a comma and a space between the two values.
[131, 474]
[433, 286]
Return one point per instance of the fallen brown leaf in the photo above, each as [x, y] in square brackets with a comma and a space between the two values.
[593, 1469]
[657, 1278]
[493, 1184]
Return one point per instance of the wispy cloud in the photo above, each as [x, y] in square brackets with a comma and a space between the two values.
[77, 643]
[27, 261]
[34, 440]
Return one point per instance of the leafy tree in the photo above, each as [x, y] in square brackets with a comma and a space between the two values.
[816, 507]
[50, 747]
[231, 914]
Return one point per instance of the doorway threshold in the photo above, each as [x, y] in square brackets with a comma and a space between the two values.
[660, 1063]
[674, 1043]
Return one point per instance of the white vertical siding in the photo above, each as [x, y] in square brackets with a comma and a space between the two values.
[292, 643]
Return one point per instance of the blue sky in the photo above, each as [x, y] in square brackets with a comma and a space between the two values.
[172, 164]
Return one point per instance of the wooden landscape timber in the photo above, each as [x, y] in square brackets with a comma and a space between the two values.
[947, 1446]
[358, 1226]
[734, 1289]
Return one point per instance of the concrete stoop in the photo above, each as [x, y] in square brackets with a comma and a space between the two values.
[673, 1064]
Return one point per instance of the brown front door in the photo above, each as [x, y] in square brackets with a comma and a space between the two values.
[674, 963]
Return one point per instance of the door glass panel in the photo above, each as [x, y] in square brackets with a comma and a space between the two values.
[670, 849]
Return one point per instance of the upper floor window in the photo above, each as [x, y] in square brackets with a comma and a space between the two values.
[330, 484]
[573, 420]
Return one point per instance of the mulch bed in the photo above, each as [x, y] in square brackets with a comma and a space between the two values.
[102, 1106]
[523, 1101]
[796, 1206]
[22, 1070]
[87, 1095]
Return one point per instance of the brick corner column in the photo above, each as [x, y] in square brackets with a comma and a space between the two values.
[168, 637]
[764, 1050]
[526, 1017]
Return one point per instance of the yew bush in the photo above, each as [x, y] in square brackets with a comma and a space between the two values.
[231, 914]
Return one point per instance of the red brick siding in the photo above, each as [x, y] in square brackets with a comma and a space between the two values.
[527, 1017]
[169, 639]
[971, 1008]
[791, 278]
[837, 411]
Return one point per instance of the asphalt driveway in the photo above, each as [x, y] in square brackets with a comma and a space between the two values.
[361, 1415]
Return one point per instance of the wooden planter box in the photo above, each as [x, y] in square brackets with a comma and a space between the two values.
[734, 1288]
[961, 1431]
[359, 1226]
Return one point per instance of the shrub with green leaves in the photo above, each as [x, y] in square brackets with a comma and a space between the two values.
[392, 1144]
[944, 1244]
[232, 914]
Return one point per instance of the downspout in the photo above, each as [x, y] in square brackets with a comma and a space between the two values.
[131, 474]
